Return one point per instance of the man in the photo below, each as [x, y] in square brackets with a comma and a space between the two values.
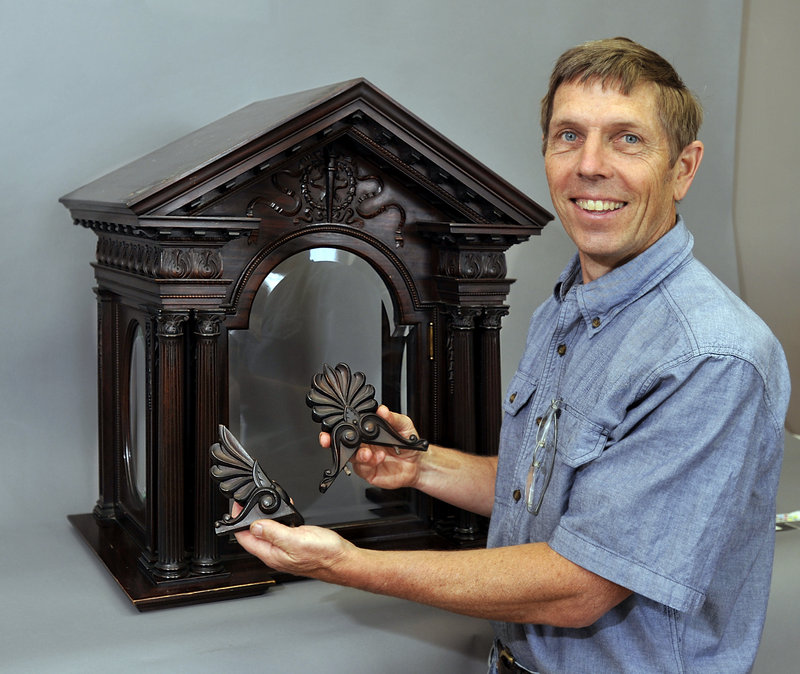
[632, 503]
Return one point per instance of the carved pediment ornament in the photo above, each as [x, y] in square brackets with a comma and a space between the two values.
[327, 188]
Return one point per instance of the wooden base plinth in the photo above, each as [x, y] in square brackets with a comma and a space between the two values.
[119, 553]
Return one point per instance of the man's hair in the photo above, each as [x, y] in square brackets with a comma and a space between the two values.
[624, 64]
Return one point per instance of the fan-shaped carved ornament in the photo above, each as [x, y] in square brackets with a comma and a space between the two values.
[344, 404]
[240, 478]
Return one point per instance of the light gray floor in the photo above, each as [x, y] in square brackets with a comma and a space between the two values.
[62, 612]
[780, 646]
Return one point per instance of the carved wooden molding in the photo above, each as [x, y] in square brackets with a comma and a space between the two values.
[423, 170]
[391, 256]
[199, 263]
[171, 227]
[157, 262]
[472, 264]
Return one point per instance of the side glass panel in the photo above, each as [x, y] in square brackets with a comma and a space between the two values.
[135, 440]
[319, 306]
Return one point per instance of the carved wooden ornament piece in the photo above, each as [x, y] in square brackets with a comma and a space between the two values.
[241, 479]
[344, 403]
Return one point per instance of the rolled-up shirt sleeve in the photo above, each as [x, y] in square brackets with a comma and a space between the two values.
[677, 482]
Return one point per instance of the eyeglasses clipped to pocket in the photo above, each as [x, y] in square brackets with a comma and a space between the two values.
[565, 433]
[543, 459]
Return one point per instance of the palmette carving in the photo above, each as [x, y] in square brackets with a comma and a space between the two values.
[344, 404]
[240, 478]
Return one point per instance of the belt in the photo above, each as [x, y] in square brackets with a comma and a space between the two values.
[506, 662]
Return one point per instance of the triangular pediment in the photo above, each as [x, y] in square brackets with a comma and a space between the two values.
[314, 135]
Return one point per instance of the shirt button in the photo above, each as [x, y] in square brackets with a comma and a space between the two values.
[517, 494]
[512, 397]
[562, 349]
[595, 322]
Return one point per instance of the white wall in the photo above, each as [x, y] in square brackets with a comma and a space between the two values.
[767, 175]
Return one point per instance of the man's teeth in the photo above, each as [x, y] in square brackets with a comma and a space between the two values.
[599, 205]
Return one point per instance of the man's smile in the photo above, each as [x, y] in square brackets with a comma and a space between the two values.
[598, 205]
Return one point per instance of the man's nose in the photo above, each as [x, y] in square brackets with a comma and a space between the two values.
[593, 161]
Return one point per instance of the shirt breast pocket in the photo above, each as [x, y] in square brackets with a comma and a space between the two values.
[519, 394]
[580, 439]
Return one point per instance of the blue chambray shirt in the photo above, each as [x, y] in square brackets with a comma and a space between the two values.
[668, 452]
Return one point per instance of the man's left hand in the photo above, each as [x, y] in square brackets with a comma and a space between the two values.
[305, 551]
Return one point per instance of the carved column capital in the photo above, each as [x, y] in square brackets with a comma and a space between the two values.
[208, 324]
[491, 318]
[463, 318]
[170, 324]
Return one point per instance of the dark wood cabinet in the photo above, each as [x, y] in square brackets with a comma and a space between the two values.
[208, 286]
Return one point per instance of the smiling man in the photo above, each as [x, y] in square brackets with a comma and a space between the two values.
[612, 178]
[632, 503]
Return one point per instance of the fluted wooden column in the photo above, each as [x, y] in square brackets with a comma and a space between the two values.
[461, 382]
[170, 555]
[108, 404]
[205, 559]
[489, 385]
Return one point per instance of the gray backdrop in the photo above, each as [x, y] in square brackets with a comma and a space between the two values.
[89, 85]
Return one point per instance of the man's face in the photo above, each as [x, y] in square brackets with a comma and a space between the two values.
[607, 165]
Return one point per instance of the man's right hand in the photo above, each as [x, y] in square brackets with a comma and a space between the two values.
[386, 467]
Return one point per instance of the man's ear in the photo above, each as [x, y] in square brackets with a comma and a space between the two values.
[686, 167]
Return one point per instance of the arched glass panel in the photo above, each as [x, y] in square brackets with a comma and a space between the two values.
[319, 306]
[135, 441]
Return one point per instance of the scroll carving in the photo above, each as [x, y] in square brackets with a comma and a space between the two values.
[186, 263]
[328, 188]
[471, 264]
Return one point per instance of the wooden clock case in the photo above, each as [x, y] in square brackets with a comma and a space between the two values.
[186, 236]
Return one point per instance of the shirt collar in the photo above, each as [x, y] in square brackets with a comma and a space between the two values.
[603, 298]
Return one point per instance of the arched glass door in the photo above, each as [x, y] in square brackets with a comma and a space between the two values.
[322, 305]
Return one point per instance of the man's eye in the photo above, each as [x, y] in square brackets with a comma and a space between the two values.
[630, 139]
[569, 136]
